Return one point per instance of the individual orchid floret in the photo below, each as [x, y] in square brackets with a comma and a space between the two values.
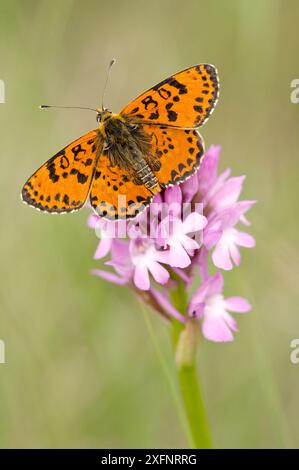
[177, 235]
[226, 251]
[209, 305]
[146, 260]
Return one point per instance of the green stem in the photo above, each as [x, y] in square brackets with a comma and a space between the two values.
[194, 407]
[168, 375]
[185, 340]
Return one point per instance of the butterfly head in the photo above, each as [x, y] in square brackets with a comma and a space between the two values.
[103, 115]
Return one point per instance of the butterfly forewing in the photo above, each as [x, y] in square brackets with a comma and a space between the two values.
[185, 99]
[62, 184]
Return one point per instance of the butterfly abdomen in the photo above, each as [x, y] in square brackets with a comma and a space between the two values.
[145, 176]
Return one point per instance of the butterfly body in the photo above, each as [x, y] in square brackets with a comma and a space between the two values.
[128, 148]
[152, 143]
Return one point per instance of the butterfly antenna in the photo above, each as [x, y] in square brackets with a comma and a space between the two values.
[47, 106]
[111, 63]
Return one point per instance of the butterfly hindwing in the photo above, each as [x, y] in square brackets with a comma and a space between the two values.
[114, 195]
[179, 152]
[62, 184]
[185, 99]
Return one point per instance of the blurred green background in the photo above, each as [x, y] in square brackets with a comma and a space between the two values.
[81, 369]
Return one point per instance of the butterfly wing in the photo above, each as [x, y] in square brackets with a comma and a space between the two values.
[62, 184]
[179, 152]
[114, 195]
[185, 99]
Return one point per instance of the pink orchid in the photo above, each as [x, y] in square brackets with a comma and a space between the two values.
[165, 246]
[208, 304]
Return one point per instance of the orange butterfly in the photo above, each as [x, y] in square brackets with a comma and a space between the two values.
[152, 143]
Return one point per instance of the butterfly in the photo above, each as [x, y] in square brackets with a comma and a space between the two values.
[132, 155]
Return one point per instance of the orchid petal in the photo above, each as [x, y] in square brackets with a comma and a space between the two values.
[159, 273]
[221, 257]
[216, 329]
[178, 256]
[237, 304]
[194, 222]
[244, 239]
[111, 277]
[103, 248]
[141, 277]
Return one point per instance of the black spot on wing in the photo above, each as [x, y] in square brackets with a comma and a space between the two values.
[81, 177]
[52, 171]
[154, 115]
